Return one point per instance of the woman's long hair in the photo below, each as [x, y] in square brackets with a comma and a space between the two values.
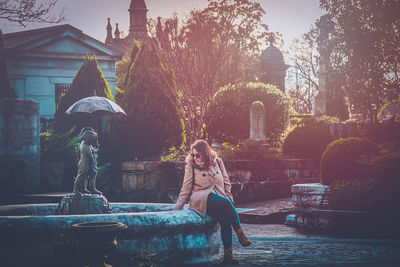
[207, 154]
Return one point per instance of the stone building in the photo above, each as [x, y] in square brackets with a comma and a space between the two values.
[137, 27]
[43, 62]
[273, 67]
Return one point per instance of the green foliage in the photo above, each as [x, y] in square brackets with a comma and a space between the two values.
[212, 47]
[228, 117]
[319, 121]
[362, 34]
[384, 169]
[88, 81]
[5, 88]
[175, 154]
[339, 160]
[151, 102]
[392, 110]
[58, 145]
[380, 132]
[63, 147]
[123, 66]
[244, 151]
[337, 105]
[104, 180]
[363, 184]
[307, 141]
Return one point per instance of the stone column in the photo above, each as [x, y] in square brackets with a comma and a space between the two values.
[325, 50]
[257, 121]
[19, 146]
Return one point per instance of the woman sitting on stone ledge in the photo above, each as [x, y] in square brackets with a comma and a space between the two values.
[207, 187]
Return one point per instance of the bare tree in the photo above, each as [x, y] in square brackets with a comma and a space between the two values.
[212, 48]
[304, 59]
[23, 12]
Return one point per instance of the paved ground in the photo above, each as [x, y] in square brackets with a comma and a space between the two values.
[280, 245]
[266, 212]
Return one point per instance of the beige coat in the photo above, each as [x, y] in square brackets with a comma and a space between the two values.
[204, 182]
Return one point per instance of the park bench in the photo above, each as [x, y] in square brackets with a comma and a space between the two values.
[338, 208]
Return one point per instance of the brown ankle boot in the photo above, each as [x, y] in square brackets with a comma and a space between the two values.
[243, 240]
[228, 256]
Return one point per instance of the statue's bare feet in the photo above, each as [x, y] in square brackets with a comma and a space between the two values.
[95, 192]
[85, 191]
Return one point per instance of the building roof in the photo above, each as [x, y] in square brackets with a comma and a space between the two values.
[272, 54]
[137, 4]
[24, 41]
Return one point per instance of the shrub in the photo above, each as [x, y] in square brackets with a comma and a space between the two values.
[307, 141]
[61, 146]
[383, 132]
[384, 168]
[175, 154]
[228, 117]
[244, 151]
[339, 160]
[320, 121]
[150, 99]
[88, 81]
[58, 145]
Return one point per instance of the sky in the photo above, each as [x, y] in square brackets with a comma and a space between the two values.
[291, 18]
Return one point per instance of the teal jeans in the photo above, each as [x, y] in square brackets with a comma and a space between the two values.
[222, 209]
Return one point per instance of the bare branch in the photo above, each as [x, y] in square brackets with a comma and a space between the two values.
[24, 12]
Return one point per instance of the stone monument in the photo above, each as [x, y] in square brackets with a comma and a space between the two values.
[325, 50]
[273, 67]
[257, 121]
[19, 146]
[257, 141]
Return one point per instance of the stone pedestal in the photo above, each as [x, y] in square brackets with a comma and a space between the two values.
[19, 146]
[77, 203]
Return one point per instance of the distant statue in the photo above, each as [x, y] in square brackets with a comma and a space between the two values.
[257, 121]
[87, 165]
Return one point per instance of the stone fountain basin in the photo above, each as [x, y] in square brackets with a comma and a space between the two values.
[31, 231]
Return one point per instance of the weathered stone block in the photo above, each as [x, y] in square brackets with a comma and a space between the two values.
[140, 182]
[129, 182]
[132, 166]
[152, 181]
[19, 146]
[308, 195]
[151, 165]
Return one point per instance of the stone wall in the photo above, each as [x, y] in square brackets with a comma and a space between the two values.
[251, 180]
[19, 146]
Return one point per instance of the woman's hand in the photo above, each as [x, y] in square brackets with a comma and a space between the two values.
[176, 207]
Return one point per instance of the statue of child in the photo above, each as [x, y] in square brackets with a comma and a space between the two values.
[87, 165]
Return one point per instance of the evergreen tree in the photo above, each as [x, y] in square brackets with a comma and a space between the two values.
[151, 102]
[5, 88]
[88, 81]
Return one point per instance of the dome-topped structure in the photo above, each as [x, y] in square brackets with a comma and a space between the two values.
[273, 67]
[272, 53]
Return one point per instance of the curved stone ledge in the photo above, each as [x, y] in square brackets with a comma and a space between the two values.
[152, 228]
